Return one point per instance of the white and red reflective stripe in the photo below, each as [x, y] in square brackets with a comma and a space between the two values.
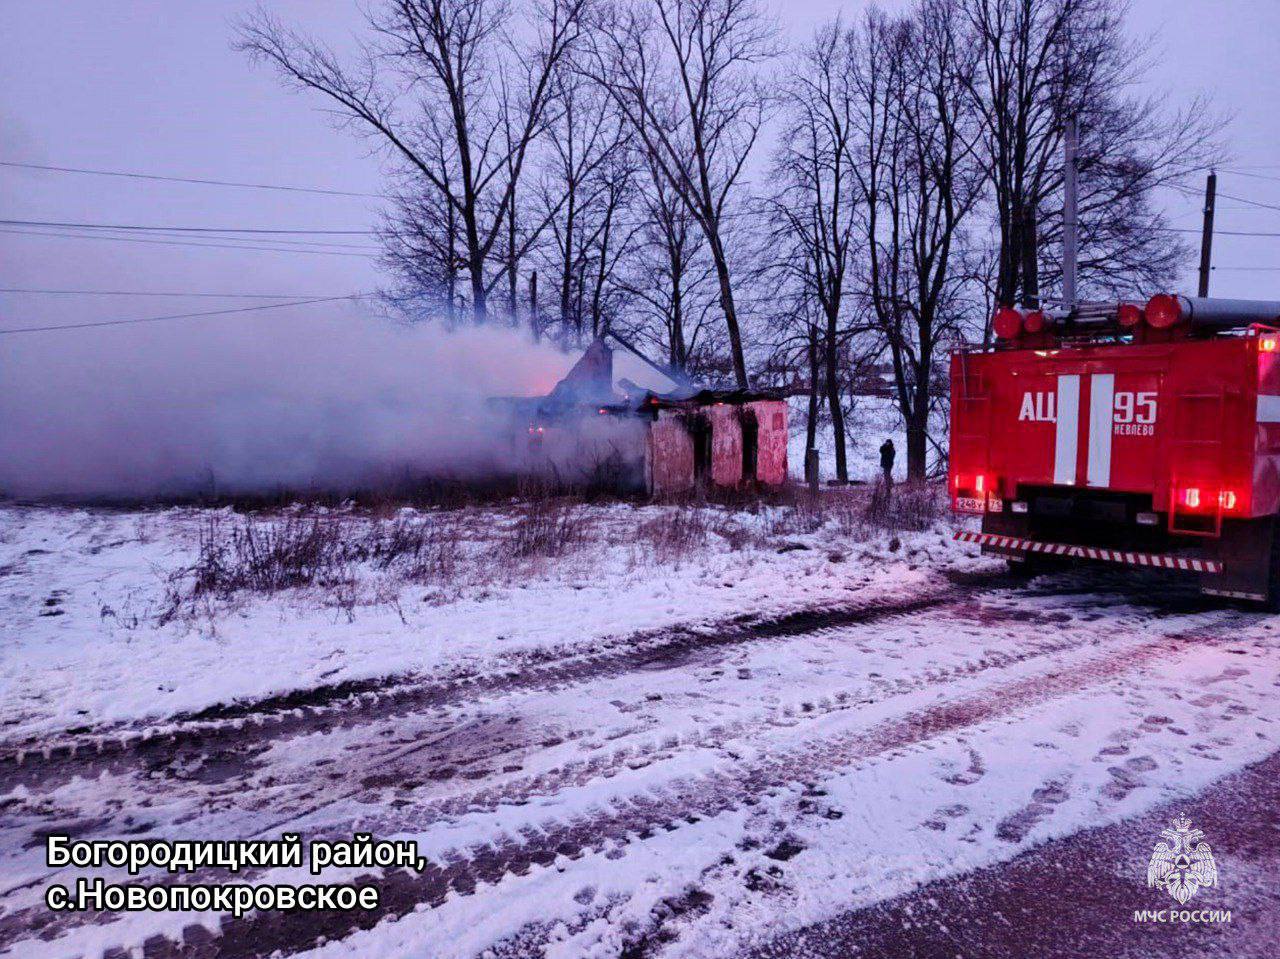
[1102, 393]
[1162, 560]
[1066, 430]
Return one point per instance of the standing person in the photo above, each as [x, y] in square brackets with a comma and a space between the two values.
[886, 463]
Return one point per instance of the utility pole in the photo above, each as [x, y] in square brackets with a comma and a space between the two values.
[533, 305]
[1030, 262]
[1070, 223]
[1206, 240]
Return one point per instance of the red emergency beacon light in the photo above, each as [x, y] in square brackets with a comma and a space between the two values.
[1144, 434]
[1007, 323]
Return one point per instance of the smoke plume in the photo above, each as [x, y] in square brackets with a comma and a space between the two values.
[331, 401]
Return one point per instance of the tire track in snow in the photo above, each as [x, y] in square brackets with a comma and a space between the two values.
[608, 763]
[581, 772]
[47, 762]
[687, 799]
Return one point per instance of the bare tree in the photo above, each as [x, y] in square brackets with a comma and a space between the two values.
[920, 179]
[684, 76]
[421, 238]
[669, 277]
[579, 189]
[1041, 61]
[612, 239]
[444, 89]
[517, 241]
[815, 209]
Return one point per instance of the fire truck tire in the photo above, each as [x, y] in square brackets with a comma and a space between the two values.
[1024, 568]
[1035, 564]
[1272, 603]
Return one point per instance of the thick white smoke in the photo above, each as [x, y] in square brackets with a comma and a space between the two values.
[319, 399]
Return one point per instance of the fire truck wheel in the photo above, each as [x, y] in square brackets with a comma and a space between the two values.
[1024, 568]
[1272, 602]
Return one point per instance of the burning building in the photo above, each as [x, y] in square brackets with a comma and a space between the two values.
[599, 427]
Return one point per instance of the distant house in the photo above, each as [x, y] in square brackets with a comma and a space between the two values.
[616, 422]
[876, 379]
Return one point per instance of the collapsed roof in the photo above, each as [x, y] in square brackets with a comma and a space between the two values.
[623, 382]
[607, 377]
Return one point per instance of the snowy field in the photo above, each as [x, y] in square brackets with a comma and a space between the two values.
[871, 421]
[612, 730]
[97, 601]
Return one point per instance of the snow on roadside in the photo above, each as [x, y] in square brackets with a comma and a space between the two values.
[937, 809]
[82, 593]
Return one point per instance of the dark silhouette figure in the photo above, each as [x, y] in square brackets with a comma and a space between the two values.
[886, 462]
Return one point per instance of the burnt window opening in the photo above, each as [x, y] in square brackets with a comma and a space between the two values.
[750, 446]
[700, 431]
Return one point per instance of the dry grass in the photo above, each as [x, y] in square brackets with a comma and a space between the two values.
[269, 557]
[366, 555]
[907, 507]
[545, 527]
[673, 535]
[428, 551]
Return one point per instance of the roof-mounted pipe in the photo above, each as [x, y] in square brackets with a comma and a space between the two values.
[1168, 309]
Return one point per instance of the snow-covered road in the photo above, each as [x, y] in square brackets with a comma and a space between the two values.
[1075, 896]
[682, 792]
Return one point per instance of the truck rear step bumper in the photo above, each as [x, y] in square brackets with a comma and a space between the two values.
[1161, 560]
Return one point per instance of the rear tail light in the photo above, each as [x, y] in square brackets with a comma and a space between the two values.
[1163, 311]
[1267, 344]
[1007, 323]
[1197, 499]
[1197, 511]
[972, 493]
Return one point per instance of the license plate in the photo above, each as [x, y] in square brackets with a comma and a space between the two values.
[970, 504]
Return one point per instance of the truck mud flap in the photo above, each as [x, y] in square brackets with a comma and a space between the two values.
[1245, 551]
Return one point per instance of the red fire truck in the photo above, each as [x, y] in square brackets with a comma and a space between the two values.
[1126, 433]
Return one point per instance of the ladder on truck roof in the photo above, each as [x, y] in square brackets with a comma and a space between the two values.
[1197, 455]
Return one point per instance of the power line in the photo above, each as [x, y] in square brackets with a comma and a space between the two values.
[182, 316]
[1250, 269]
[180, 229]
[274, 241]
[1256, 176]
[183, 179]
[1179, 229]
[208, 246]
[1229, 196]
[1257, 203]
[228, 296]
[1239, 199]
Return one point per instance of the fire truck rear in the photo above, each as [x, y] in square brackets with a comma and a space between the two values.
[1142, 435]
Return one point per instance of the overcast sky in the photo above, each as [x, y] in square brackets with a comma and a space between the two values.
[153, 86]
